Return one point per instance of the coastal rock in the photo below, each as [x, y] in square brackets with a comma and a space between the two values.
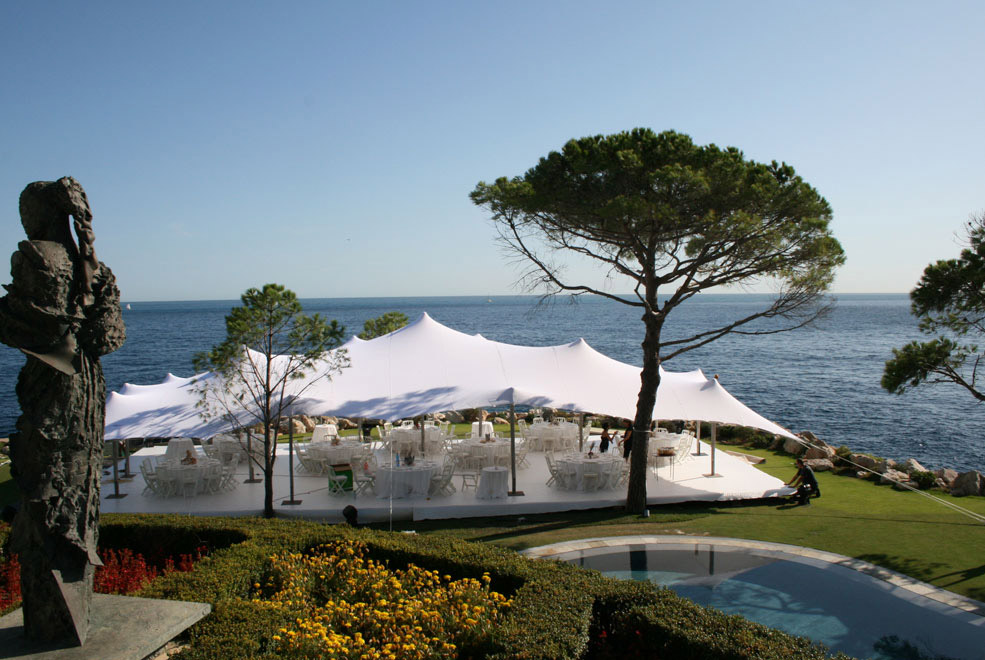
[911, 465]
[892, 476]
[454, 417]
[328, 419]
[307, 422]
[821, 449]
[947, 475]
[868, 462]
[819, 464]
[346, 424]
[792, 446]
[777, 443]
[968, 483]
[439, 417]
[500, 420]
[285, 426]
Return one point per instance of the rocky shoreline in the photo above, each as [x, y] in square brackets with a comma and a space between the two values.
[821, 456]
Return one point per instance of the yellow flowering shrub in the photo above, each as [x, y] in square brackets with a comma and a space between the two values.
[347, 606]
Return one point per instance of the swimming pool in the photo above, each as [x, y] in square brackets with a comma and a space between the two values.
[802, 592]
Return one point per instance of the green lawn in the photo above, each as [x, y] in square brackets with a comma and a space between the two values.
[903, 531]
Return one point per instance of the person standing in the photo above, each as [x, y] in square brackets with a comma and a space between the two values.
[605, 439]
[627, 440]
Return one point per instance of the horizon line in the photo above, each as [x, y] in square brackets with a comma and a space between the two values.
[493, 296]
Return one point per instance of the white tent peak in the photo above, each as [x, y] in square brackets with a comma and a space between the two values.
[428, 367]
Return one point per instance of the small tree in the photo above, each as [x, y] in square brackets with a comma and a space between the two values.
[672, 216]
[949, 300]
[383, 325]
[272, 353]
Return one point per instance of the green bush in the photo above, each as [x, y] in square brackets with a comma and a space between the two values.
[923, 479]
[559, 610]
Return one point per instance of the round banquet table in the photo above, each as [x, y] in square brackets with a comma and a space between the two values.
[553, 437]
[404, 481]
[173, 476]
[323, 432]
[492, 483]
[486, 454]
[579, 466]
[330, 454]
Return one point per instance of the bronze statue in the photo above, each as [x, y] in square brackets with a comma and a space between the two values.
[62, 309]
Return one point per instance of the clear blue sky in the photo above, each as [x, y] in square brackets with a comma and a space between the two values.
[331, 146]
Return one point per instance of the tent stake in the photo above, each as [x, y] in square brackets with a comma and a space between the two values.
[290, 460]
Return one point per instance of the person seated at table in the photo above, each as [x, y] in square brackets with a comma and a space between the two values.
[627, 440]
[189, 458]
[605, 439]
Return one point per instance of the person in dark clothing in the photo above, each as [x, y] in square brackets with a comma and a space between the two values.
[605, 438]
[627, 440]
[805, 482]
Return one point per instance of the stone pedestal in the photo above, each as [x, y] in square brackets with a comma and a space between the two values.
[121, 628]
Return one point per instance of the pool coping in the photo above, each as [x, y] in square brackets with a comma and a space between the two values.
[957, 601]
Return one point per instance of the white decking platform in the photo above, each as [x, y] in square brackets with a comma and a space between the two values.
[737, 480]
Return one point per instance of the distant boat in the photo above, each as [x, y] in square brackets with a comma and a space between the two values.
[488, 300]
[128, 305]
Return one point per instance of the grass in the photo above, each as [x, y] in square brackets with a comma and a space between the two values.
[903, 531]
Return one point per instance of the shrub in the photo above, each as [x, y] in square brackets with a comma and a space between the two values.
[923, 479]
[557, 610]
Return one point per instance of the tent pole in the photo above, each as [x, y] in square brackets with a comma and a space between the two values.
[422, 436]
[116, 476]
[581, 432]
[513, 491]
[290, 460]
[249, 458]
[714, 437]
[697, 438]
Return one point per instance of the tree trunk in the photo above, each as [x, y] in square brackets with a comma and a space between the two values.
[649, 382]
[268, 474]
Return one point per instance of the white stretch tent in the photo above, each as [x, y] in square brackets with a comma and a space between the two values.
[427, 367]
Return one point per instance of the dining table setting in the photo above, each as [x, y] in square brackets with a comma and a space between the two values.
[400, 480]
[588, 472]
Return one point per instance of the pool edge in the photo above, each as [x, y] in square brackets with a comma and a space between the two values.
[951, 599]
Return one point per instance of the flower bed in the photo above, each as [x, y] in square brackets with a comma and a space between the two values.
[546, 610]
[123, 571]
[345, 605]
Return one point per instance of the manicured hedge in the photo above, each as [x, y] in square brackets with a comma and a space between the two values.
[559, 610]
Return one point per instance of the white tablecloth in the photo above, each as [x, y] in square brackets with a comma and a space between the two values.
[493, 483]
[582, 465]
[177, 448]
[553, 437]
[323, 432]
[330, 454]
[409, 440]
[173, 476]
[487, 429]
[486, 454]
[404, 481]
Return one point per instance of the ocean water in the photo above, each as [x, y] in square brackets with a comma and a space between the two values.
[823, 378]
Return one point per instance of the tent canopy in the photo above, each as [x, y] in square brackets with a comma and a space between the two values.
[427, 367]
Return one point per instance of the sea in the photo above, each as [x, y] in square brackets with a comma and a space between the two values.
[823, 378]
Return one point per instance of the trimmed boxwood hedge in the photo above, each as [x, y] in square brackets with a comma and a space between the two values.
[559, 610]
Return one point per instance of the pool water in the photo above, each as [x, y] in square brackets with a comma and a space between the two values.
[839, 607]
